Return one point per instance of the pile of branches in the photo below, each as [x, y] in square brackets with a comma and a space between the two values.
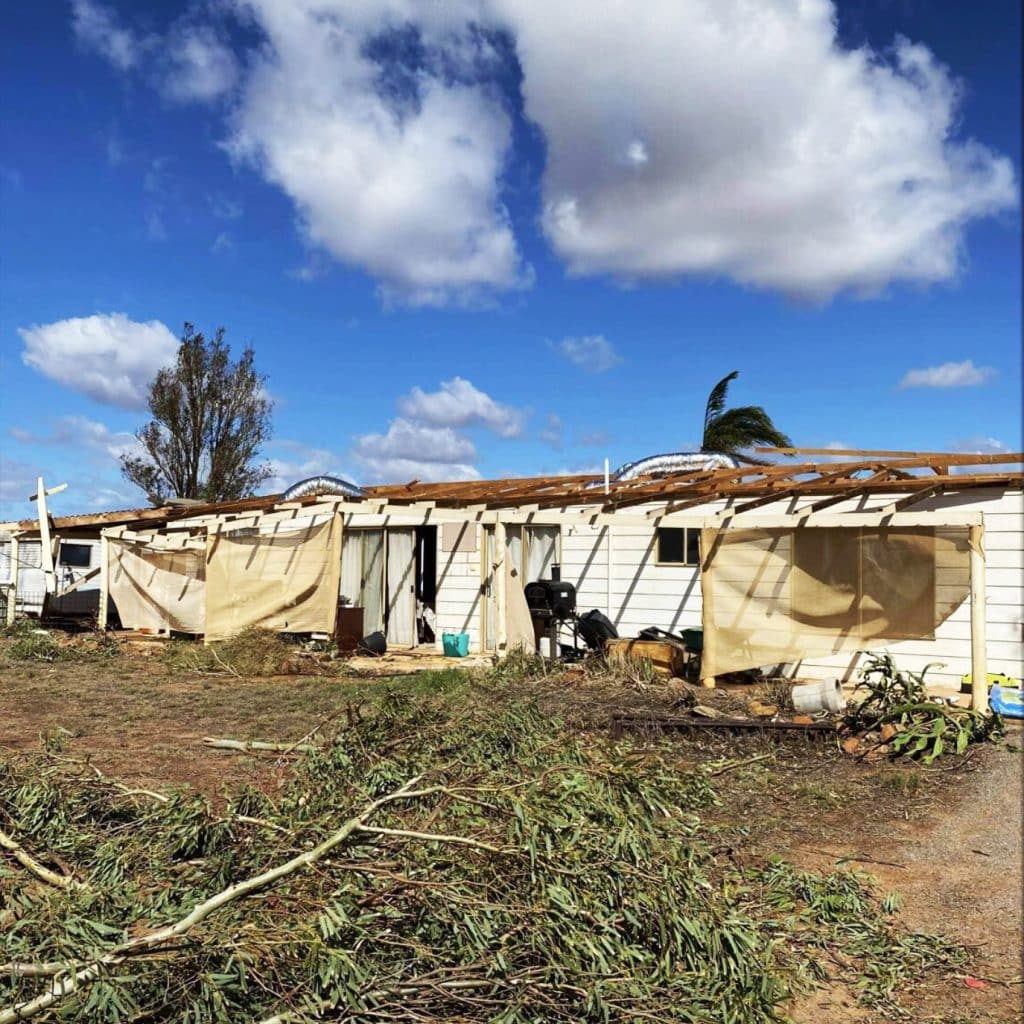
[433, 861]
[897, 714]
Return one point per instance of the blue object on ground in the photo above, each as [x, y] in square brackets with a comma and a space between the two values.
[1007, 701]
[456, 645]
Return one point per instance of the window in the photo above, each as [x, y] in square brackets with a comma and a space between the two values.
[678, 545]
[77, 556]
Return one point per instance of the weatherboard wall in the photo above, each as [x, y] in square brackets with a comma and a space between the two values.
[644, 593]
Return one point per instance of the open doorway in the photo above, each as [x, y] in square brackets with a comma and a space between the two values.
[426, 584]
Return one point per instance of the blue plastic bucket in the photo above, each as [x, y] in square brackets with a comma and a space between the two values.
[456, 645]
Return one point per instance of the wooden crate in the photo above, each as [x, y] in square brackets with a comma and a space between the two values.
[667, 658]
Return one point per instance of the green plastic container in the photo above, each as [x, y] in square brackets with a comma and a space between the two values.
[694, 638]
[456, 645]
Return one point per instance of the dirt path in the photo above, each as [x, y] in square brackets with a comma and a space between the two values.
[960, 875]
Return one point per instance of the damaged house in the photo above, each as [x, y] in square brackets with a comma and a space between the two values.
[801, 564]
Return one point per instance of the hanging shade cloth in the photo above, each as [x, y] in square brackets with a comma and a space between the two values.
[287, 581]
[154, 588]
[781, 595]
[518, 621]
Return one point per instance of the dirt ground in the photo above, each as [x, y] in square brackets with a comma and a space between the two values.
[948, 840]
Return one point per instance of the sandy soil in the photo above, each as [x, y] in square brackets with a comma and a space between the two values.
[948, 840]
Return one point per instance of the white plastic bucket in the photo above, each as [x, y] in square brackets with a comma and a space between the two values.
[826, 695]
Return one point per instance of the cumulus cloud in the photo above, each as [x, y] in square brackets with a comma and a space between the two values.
[948, 375]
[98, 28]
[292, 461]
[201, 67]
[398, 175]
[189, 63]
[727, 139]
[83, 433]
[17, 482]
[756, 146]
[593, 353]
[108, 357]
[458, 403]
[415, 450]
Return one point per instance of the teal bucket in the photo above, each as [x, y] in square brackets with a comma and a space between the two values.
[456, 645]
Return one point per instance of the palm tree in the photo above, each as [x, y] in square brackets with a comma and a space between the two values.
[733, 430]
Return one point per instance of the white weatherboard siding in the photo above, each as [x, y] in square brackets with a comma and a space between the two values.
[459, 599]
[668, 596]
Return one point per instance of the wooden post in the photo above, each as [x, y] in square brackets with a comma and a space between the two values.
[101, 616]
[979, 664]
[500, 590]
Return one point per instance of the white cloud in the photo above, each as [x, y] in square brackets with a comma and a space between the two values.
[729, 139]
[17, 482]
[551, 433]
[222, 243]
[292, 461]
[225, 208]
[402, 182]
[594, 438]
[948, 375]
[81, 432]
[414, 450]
[202, 68]
[981, 445]
[458, 403]
[774, 156]
[98, 28]
[593, 353]
[106, 356]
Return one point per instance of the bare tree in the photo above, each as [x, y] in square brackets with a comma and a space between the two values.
[210, 418]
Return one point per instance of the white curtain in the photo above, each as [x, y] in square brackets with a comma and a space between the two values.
[371, 584]
[541, 552]
[351, 586]
[514, 544]
[401, 574]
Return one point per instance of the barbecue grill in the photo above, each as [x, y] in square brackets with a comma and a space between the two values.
[551, 600]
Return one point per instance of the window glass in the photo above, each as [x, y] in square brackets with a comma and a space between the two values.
[678, 545]
[672, 545]
[77, 556]
[692, 546]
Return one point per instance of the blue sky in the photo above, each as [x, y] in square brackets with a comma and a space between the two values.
[497, 237]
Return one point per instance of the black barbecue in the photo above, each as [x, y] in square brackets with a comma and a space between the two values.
[551, 600]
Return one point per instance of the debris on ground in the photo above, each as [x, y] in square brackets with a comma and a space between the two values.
[897, 717]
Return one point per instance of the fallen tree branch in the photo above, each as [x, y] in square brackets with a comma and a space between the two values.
[23, 857]
[64, 986]
[247, 745]
[430, 837]
[732, 765]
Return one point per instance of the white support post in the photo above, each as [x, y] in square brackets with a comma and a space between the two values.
[45, 544]
[609, 529]
[101, 615]
[979, 665]
[12, 593]
[500, 594]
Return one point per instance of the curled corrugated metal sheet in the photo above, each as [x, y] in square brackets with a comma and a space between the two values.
[322, 485]
[675, 462]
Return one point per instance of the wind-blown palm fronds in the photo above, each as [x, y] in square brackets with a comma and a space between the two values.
[734, 430]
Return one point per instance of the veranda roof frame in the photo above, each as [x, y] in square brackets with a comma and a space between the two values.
[912, 475]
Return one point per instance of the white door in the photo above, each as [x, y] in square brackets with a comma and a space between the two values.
[401, 577]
